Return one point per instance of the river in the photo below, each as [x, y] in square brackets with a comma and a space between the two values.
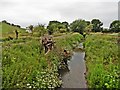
[73, 76]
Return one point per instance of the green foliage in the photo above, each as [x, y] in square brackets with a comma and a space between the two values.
[78, 26]
[115, 26]
[102, 61]
[66, 24]
[9, 30]
[96, 25]
[88, 29]
[54, 26]
[105, 30]
[40, 30]
[24, 65]
[19, 62]
[61, 42]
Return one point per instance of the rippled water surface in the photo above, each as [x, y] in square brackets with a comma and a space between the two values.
[73, 76]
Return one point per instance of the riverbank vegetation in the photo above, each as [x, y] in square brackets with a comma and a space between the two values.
[102, 61]
[25, 64]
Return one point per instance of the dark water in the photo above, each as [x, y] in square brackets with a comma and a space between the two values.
[73, 76]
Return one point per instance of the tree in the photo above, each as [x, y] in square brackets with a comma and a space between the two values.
[88, 28]
[18, 26]
[105, 30]
[115, 26]
[56, 26]
[66, 24]
[78, 26]
[40, 28]
[4, 21]
[96, 25]
[88, 22]
[12, 24]
[53, 26]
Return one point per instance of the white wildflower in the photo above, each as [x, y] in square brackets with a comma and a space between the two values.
[28, 84]
[17, 84]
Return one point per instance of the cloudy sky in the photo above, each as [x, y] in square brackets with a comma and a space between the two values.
[26, 12]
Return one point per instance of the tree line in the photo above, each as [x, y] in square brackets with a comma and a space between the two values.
[78, 25]
[81, 26]
[4, 21]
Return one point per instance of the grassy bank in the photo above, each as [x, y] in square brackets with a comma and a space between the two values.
[9, 30]
[102, 61]
[26, 65]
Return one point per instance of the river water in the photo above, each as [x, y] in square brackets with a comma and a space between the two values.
[73, 76]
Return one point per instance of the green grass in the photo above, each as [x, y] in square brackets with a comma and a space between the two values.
[26, 65]
[9, 30]
[102, 61]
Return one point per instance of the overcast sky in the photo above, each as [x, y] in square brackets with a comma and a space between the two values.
[26, 12]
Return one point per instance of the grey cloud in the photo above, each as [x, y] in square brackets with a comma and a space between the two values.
[7, 4]
[106, 11]
[27, 12]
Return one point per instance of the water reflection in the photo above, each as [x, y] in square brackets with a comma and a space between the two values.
[73, 75]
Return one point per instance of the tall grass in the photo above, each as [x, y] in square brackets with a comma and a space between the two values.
[102, 61]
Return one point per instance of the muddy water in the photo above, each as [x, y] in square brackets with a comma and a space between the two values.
[73, 76]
